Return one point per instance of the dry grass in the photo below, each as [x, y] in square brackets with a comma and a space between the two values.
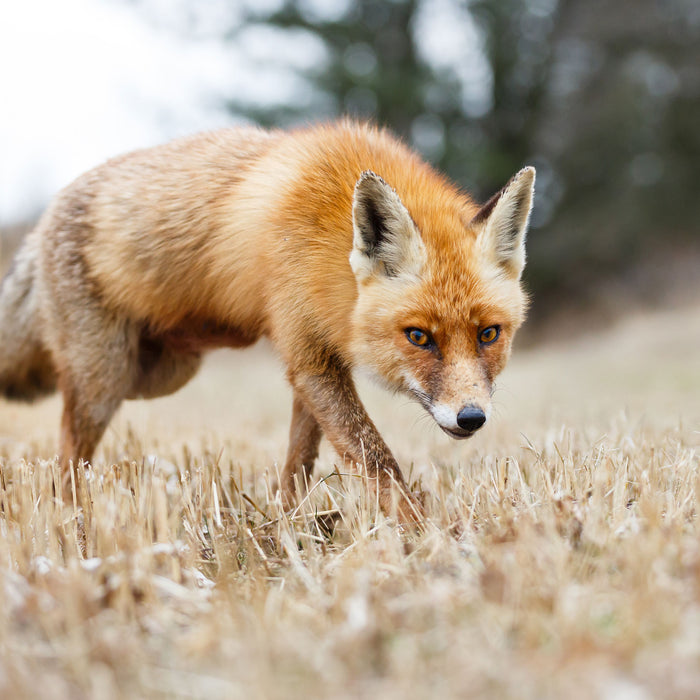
[561, 559]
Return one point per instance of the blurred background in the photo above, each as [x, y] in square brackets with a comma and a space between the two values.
[602, 97]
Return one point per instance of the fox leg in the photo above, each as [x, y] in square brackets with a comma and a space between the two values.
[304, 438]
[95, 373]
[88, 406]
[330, 394]
[94, 349]
[82, 423]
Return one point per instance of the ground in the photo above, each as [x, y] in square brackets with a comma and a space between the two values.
[561, 557]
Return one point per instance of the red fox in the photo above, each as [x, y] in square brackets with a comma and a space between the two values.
[336, 242]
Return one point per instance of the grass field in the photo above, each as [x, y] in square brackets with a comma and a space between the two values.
[561, 558]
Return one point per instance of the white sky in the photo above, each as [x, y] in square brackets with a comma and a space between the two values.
[82, 80]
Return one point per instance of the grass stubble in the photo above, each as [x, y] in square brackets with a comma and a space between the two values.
[561, 557]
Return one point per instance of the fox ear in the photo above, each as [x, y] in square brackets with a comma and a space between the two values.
[502, 222]
[385, 239]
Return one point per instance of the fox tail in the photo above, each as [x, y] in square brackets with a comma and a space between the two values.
[26, 369]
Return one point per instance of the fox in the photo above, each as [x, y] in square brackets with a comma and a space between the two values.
[337, 242]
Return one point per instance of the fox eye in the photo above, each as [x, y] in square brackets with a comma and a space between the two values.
[489, 335]
[418, 337]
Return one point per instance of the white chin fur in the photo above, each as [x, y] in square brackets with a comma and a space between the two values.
[444, 416]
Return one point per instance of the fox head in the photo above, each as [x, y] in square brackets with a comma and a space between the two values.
[439, 294]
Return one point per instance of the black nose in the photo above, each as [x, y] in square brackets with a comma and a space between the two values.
[471, 418]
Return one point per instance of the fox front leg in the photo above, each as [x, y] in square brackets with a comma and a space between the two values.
[304, 438]
[329, 394]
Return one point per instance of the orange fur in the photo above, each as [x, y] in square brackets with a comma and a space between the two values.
[331, 240]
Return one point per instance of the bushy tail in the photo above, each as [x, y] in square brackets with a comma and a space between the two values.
[26, 369]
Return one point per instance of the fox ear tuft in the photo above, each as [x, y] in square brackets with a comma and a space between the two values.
[502, 222]
[386, 241]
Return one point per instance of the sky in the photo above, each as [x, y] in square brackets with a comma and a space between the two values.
[83, 80]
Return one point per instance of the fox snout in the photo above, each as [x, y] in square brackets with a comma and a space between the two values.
[459, 425]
